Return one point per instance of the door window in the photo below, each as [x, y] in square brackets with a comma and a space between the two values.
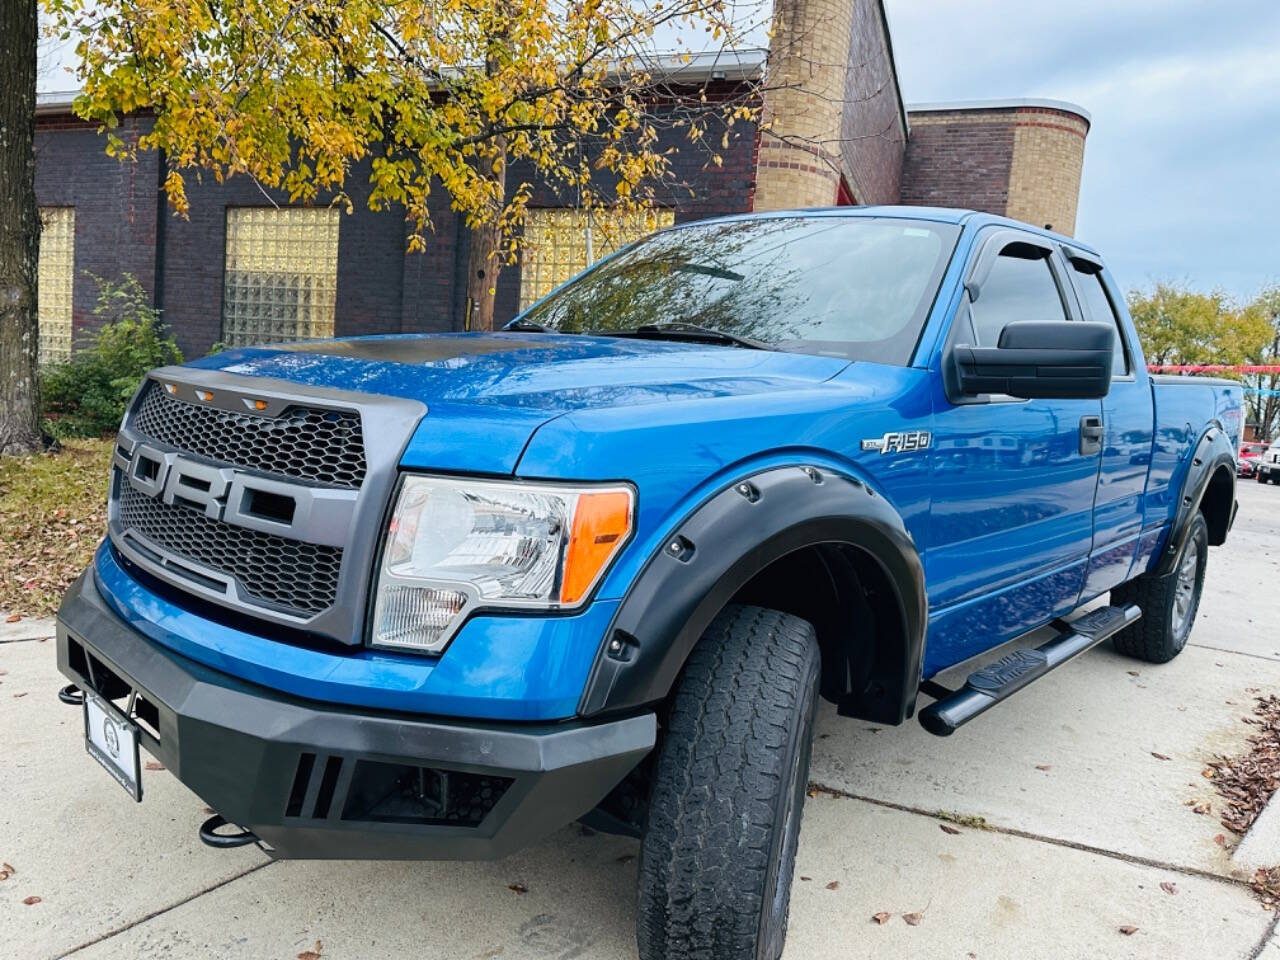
[1020, 286]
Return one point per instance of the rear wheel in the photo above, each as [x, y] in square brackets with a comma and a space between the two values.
[1169, 603]
[719, 847]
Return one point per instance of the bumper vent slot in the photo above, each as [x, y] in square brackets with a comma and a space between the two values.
[403, 793]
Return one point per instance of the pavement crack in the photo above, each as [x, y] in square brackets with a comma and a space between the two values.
[163, 910]
[1028, 835]
[1236, 653]
[1257, 951]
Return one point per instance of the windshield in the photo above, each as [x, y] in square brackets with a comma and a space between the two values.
[855, 287]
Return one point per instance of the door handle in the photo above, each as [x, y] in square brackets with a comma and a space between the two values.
[1090, 435]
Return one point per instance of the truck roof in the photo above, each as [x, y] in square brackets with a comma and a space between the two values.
[955, 215]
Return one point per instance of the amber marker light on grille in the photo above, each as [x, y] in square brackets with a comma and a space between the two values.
[255, 404]
[601, 523]
[170, 388]
[204, 395]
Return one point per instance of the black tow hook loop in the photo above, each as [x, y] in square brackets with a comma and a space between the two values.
[224, 841]
[71, 695]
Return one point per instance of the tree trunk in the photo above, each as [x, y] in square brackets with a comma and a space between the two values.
[485, 262]
[19, 230]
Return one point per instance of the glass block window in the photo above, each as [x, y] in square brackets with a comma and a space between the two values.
[281, 274]
[555, 243]
[56, 276]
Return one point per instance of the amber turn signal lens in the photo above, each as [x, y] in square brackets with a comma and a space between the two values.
[600, 527]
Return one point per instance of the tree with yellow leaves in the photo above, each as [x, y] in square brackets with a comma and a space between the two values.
[434, 94]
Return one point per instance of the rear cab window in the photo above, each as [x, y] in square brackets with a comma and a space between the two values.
[1097, 306]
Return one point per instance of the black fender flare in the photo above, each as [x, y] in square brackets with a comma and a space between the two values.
[1214, 450]
[719, 548]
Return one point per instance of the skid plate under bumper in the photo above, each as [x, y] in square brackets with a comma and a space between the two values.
[319, 781]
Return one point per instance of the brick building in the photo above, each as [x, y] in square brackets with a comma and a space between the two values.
[238, 270]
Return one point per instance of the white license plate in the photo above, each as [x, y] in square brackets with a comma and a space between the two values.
[112, 739]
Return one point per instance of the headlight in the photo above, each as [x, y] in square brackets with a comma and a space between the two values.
[454, 545]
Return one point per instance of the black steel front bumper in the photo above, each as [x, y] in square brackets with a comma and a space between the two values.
[320, 781]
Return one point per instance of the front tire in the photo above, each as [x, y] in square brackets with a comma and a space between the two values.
[719, 846]
[1169, 604]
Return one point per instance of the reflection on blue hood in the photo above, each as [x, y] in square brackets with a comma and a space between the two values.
[487, 393]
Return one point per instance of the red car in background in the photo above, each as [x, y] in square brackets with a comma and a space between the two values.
[1247, 461]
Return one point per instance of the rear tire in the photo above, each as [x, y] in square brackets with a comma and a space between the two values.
[1169, 604]
[719, 846]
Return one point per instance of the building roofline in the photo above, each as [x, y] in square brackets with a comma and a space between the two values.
[55, 101]
[712, 65]
[1002, 104]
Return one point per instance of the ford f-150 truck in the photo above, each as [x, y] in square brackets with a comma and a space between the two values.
[436, 596]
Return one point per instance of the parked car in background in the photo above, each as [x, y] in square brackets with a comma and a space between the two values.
[437, 596]
[1247, 462]
[1267, 467]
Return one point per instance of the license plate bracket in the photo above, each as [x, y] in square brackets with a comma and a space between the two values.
[111, 738]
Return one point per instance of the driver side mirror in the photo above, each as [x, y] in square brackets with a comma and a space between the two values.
[1038, 360]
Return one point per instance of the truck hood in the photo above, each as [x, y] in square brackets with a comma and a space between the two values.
[486, 394]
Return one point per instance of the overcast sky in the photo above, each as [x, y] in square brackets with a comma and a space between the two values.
[1182, 166]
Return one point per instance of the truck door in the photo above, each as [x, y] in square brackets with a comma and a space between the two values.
[1128, 419]
[1011, 521]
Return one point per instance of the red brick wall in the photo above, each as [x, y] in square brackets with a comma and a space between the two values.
[873, 138]
[959, 159]
[1021, 160]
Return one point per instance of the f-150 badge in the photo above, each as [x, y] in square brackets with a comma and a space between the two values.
[899, 441]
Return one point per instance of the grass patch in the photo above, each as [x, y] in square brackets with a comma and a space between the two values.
[53, 513]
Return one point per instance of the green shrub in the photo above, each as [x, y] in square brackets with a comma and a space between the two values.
[87, 396]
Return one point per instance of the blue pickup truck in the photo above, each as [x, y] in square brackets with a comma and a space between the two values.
[437, 596]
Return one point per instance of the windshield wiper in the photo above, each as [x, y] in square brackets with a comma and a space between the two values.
[684, 331]
[520, 323]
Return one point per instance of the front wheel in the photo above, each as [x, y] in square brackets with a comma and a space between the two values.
[719, 846]
[1169, 603]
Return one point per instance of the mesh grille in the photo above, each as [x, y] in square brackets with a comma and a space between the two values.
[271, 569]
[324, 446]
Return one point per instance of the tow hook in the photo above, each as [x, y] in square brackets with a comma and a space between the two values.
[224, 841]
[71, 695]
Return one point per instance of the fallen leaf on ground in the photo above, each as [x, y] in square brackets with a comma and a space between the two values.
[806, 879]
[1132, 673]
[153, 765]
[1247, 782]
[19, 695]
[13, 618]
[1043, 766]
[1128, 930]
[311, 954]
[881, 918]
[30, 901]
[1168, 887]
[517, 888]
[1220, 840]
[913, 919]
[1160, 756]
[833, 885]
[948, 829]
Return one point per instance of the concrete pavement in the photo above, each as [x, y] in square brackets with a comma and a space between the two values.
[1083, 825]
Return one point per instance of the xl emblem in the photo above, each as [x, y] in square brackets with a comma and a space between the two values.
[900, 441]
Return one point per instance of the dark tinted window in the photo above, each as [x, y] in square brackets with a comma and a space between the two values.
[1098, 308]
[849, 286]
[1019, 287]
